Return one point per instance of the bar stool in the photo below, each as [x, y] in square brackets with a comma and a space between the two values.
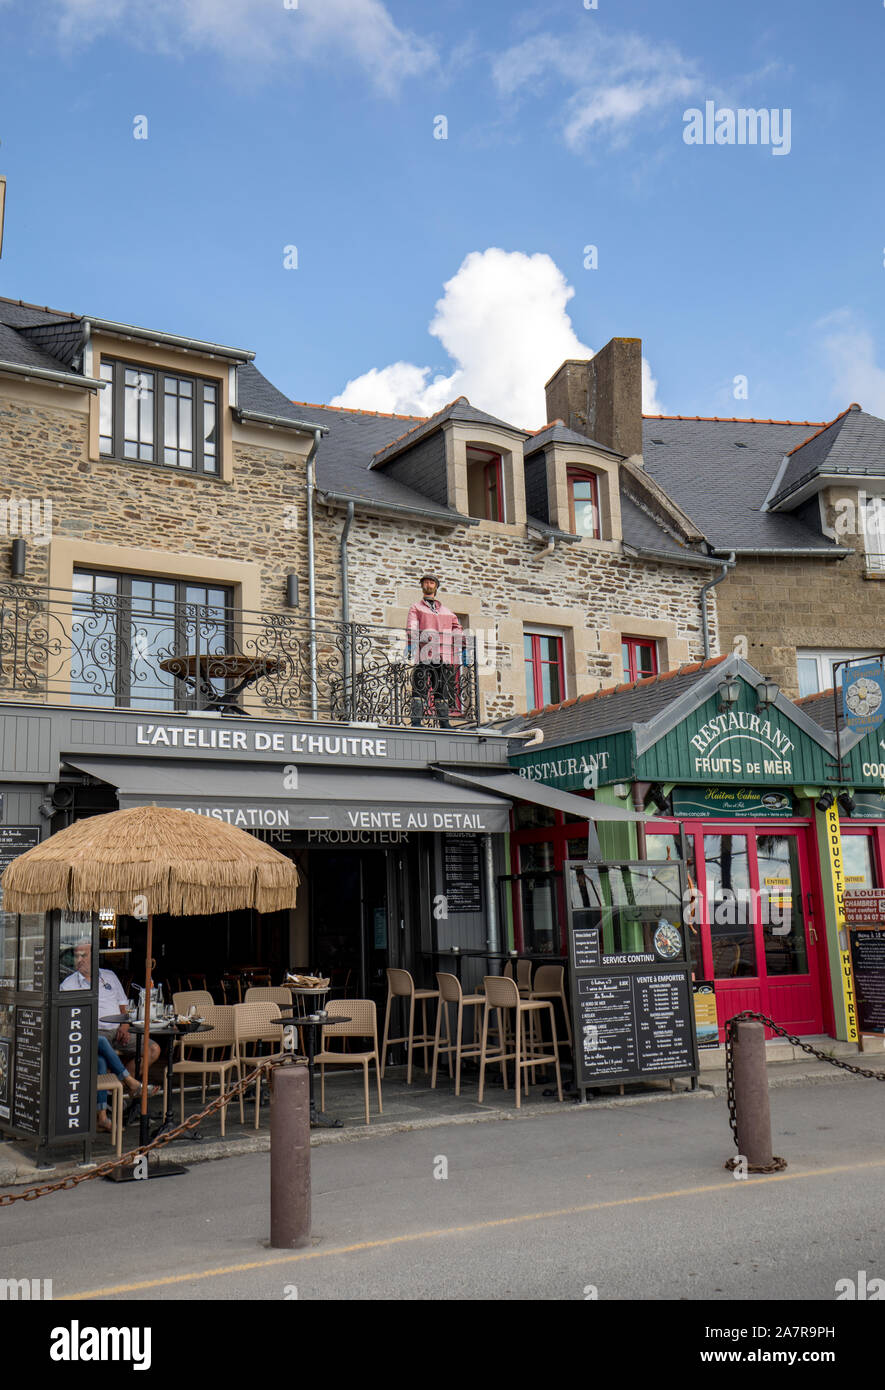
[550, 984]
[450, 992]
[401, 985]
[502, 994]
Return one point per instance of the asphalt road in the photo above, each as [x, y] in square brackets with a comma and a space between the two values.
[633, 1203]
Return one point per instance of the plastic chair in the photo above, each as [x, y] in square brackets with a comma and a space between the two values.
[108, 1082]
[450, 992]
[220, 1018]
[269, 994]
[254, 1023]
[502, 995]
[400, 985]
[550, 984]
[363, 1024]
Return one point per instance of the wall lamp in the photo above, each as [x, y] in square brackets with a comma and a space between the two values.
[19, 559]
[729, 694]
[846, 802]
[291, 590]
[766, 693]
[825, 801]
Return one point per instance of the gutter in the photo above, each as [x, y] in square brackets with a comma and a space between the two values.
[705, 626]
[86, 383]
[311, 569]
[697, 561]
[835, 552]
[391, 509]
[258, 417]
[126, 330]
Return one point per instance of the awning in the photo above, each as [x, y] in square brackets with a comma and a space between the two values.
[255, 796]
[524, 789]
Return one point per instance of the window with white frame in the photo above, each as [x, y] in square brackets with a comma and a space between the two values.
[874, 533]
[815, 668]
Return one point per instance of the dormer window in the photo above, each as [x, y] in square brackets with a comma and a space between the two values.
[583, 495]
[154, 416]
[485, 484]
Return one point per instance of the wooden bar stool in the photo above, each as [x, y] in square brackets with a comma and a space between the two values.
[401, 985]
[450, 992]
[502, 995]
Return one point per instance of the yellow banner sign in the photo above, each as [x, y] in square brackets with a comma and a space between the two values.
[837, 865]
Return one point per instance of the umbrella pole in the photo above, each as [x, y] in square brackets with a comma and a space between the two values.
[144, 1122]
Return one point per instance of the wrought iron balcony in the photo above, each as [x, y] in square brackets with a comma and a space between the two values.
[110, 650]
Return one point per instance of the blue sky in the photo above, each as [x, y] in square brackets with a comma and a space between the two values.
[272, 124]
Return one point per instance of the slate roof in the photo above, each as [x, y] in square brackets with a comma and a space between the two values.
[618, 708]
[642, 531]
[853, 444]
[820, 708]
[558, 433]
[720, 473]
[18, 350]
[459, 409]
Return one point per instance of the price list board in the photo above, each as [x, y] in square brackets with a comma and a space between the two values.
[462, 868]
[868, 960]
[28, 1069]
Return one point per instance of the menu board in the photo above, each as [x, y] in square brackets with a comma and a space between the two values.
[28, 1069]
[635, 1025]
[585, 947]
[14, 840]
[462, 868]
[868, 959]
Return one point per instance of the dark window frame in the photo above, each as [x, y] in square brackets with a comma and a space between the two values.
[119, 366]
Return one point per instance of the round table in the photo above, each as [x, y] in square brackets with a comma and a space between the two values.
[318, 1120]
[160, 1028]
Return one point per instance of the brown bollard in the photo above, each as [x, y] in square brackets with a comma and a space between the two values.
[752, 1110]
[289, 1158]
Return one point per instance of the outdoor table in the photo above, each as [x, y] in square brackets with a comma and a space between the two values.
[199, 671]
[318, 1119]
[160, 1028]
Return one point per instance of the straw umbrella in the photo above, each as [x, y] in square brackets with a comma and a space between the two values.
[147, 860]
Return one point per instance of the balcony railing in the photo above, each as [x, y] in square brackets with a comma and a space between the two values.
[108, 651]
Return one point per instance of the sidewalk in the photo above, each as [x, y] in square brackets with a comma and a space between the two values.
[417, 1107]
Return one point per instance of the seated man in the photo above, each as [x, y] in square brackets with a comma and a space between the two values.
[108, 1061]
[111, 999]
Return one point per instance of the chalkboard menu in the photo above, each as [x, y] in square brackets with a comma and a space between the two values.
[868, 959]
[462, 867]
[28, 1069]
[632, 1010]
[14, 840]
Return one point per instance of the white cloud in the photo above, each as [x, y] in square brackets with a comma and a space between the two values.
[614, 79]
[360, 31]
[850, 352]
[503, 321]
[650, 403]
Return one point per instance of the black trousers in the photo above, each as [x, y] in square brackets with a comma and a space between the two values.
[434, 678]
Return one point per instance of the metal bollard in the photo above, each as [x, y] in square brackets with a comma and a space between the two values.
[752, 1111]
[289, 1158]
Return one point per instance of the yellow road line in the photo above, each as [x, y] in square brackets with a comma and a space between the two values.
[733, 1184]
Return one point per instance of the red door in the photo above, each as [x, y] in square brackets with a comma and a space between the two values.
[760, 932]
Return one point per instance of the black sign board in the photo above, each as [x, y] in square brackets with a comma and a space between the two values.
[868, 960]
[462, 867]
[75, 1046]
[28, 1068]
[14, 840]
[630, 980]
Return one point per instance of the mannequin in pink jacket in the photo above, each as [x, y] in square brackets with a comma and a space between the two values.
[435, 644]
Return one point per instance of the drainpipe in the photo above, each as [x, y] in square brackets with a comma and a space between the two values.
[729, 564]
[345, 611]
[493, 938]
[311, 573]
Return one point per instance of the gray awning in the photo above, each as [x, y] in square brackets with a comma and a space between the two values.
[254, 796]
[524, 789]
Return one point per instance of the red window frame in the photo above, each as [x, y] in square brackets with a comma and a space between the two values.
[537, 662]
[493, 489]
[634, 645]
[583, 475]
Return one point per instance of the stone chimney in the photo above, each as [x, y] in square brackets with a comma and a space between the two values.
[602, 397]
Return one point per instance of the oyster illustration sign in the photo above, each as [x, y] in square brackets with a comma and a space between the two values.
[863, 696]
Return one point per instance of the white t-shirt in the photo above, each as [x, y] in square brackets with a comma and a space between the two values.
[111, 995]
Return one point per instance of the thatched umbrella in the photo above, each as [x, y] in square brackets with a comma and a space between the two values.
[148, 860]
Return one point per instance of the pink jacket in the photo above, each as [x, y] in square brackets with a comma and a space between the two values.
[431, 634]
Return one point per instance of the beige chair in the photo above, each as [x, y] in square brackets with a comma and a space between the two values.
[220, 1018]
[269, 994]
[502, 995]
[450, 992]
[191, 998]
[363, 1024]
[549, 984]
[114, 1086]
[400, 985]
[254, 1024]
[523, 975]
